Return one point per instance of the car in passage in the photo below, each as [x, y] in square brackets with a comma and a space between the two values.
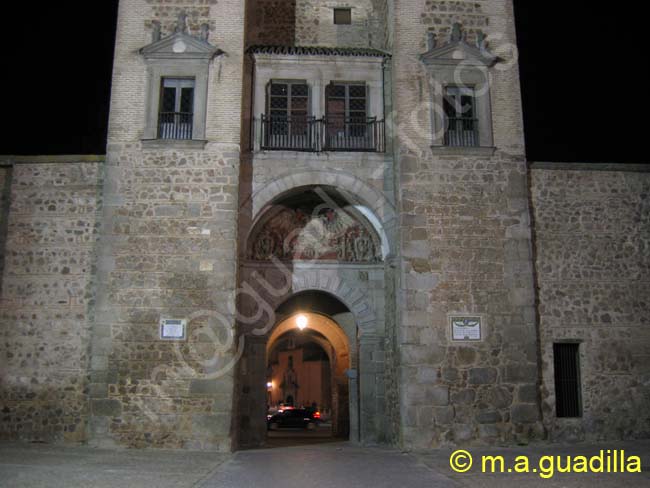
[293, 418]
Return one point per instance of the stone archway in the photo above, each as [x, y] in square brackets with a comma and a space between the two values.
[347, 264]
[365, 379]
[355, 189]
[331, 337]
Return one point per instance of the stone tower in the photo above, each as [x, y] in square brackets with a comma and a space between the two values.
[393, 129]
[168, 247]
[353, 173]
[464, 229]
[346, 175]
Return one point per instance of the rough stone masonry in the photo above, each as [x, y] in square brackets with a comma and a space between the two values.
[97, 250]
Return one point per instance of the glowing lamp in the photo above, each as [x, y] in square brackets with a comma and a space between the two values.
[301, 321]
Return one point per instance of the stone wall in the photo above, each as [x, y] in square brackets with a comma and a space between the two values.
[271, 22]
[166, 12]
[168, 249]
[310, 23]
[128, 96]
[439, 17]
[5, 193]
[315, 24]
[82, 357]
[592, 242]
[465, 249]
[48, 297]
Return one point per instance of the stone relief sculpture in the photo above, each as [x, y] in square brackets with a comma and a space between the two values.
[205, 32]
[432, 41]
[456, 33]
[289, 384]
[156, 32]
[459, 35]
[181, 24]
[481, 41]
[297, 234]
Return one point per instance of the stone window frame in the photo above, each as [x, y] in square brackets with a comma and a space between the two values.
[178, 84]
[475, 79]
[177, 56]
[459, 64]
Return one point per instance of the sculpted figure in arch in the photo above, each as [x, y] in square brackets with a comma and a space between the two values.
[290, 383]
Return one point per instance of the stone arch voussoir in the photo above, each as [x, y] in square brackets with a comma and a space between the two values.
[375, 200]
[354, 298]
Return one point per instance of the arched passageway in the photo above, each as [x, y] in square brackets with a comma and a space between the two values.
[316, 253]
[308, 364]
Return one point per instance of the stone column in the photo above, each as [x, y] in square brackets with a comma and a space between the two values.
[317, 98]
[259, 109]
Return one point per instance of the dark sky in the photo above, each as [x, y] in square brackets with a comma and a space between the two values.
[582, 71]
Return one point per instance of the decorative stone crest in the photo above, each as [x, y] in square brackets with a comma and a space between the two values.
[205, 32]
[456, 33]
[181, 23]
[481, 41]
[458, 50]
[432, 41]
[180, 30]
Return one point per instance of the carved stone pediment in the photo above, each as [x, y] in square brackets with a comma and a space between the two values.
[457, 50]
[180, 45]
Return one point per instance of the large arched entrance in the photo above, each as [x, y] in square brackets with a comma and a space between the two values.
[312, 253]
[309, 361]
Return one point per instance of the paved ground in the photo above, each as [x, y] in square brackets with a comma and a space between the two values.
[40, 466]
[300, 437]
[325, 465]
[439, 462]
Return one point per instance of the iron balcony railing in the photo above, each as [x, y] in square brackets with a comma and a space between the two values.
[327, 134]
[175, 125]
[461, 132]
[354, 134]
[290, 133]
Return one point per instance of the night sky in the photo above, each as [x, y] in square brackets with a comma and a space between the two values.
[582, 65]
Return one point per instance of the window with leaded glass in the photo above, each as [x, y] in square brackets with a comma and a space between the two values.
[461, 125]
[347, 109]
[288, 107]
[176, 108]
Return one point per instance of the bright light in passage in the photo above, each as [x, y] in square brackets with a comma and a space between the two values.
[301, 321]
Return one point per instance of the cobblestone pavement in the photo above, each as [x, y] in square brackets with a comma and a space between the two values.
[339, 465]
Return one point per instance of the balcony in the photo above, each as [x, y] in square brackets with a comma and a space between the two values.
[290, 134]
[175, 125]
[461, 132]
[322, 135]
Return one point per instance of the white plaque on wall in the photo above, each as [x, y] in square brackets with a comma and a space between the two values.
[173, 329]
[466, 328]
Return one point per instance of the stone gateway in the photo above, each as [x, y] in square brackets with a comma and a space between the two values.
[343, 186]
